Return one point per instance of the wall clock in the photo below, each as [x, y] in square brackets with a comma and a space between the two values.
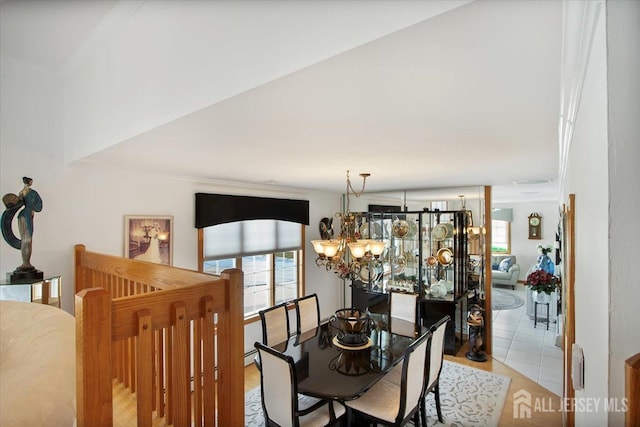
[535, 226]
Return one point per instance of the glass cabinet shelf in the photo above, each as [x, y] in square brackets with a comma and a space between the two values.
[42, 291]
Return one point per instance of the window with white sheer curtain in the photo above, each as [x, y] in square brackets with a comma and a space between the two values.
[500, 237]
[269, 252]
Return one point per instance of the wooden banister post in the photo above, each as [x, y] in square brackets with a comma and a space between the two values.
[632, 390]
[80, 282]
[231, 351]
[94, 401]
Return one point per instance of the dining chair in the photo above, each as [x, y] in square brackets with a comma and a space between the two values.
[395, 404]
[403, 305]
[281, 403]
[403, 313]
[307, 313]
[434, 367]
[275, 324]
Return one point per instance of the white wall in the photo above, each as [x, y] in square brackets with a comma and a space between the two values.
[524, 249]
[152, 62]
[86, 202]
[588, 178]
[623, 70]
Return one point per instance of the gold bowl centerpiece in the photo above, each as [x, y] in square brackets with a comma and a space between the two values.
[353, 326]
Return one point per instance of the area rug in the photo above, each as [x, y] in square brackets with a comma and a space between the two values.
[504, 300]
[468, 397]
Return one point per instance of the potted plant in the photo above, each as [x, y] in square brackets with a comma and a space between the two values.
[542, 284]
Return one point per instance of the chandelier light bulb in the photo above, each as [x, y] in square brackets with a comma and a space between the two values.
[331, 248]
[317, 246]
[358, 249]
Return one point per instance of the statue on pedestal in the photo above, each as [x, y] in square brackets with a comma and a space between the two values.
[30, 201]
[475, 320]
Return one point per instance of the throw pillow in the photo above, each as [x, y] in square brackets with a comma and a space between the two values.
[495, 266]
[505, 264]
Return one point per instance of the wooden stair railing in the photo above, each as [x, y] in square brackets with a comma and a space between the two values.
[632, 390]
[159, 332]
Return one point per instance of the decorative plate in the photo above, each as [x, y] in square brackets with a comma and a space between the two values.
[439, 232]
[344, 346]
[376, 230]
[442, 231]
[364, 230]
[432, 261]
[376, 274]
[413, 229]
[445, 256]
[326, 228]
[400, 228]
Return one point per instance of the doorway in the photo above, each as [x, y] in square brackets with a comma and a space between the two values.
[523, 344]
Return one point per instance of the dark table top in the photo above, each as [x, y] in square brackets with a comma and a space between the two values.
[326, 370]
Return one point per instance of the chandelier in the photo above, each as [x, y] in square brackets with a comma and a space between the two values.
[333, 254]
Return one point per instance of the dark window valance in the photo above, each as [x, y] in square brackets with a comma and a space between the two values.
[214, 209]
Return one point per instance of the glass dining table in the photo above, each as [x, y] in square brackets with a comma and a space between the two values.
[327, 369]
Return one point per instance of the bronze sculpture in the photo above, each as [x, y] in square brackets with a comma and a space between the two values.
[30, 201]
[475, 320]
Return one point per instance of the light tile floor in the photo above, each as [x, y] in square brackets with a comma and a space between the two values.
[530, 351]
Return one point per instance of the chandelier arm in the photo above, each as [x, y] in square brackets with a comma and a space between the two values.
[350, 187]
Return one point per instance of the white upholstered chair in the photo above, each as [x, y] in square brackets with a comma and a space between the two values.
[275, 328]
[434, 366]
[403, 313]
[281, 403]
[395, 404]
[432, 369]
[307, 313]
[403, 306]
[275, 324]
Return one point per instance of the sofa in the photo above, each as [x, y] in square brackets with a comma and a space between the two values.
[505, 270]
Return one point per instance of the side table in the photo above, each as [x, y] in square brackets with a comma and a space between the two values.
[535, 313]
[43, 291]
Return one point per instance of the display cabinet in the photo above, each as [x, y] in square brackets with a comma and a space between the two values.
[425, 252]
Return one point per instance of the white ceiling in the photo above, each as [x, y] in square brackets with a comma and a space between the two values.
[468, 97]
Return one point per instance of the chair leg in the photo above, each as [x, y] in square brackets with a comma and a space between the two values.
[437, 395]
[423, 412]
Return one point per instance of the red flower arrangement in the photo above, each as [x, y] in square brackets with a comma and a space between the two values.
[541, 281]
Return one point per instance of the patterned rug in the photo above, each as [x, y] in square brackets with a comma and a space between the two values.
[468, 397]
[504, 300]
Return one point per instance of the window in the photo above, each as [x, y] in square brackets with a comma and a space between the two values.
[438, 204]
[269, 252]
[500, 237]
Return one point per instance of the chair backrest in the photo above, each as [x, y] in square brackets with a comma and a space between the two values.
[403, 306]
[307, 313]
[413, 375]
[278, 386]
[275, 324]
[436, 351]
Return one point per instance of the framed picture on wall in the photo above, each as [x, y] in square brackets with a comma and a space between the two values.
[149, 238]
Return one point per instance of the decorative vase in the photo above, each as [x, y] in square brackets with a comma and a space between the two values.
[545, 263]
[438, 290]
[541, 297]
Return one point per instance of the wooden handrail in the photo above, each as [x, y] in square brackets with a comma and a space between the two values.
[152, 329]
[632, 390]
